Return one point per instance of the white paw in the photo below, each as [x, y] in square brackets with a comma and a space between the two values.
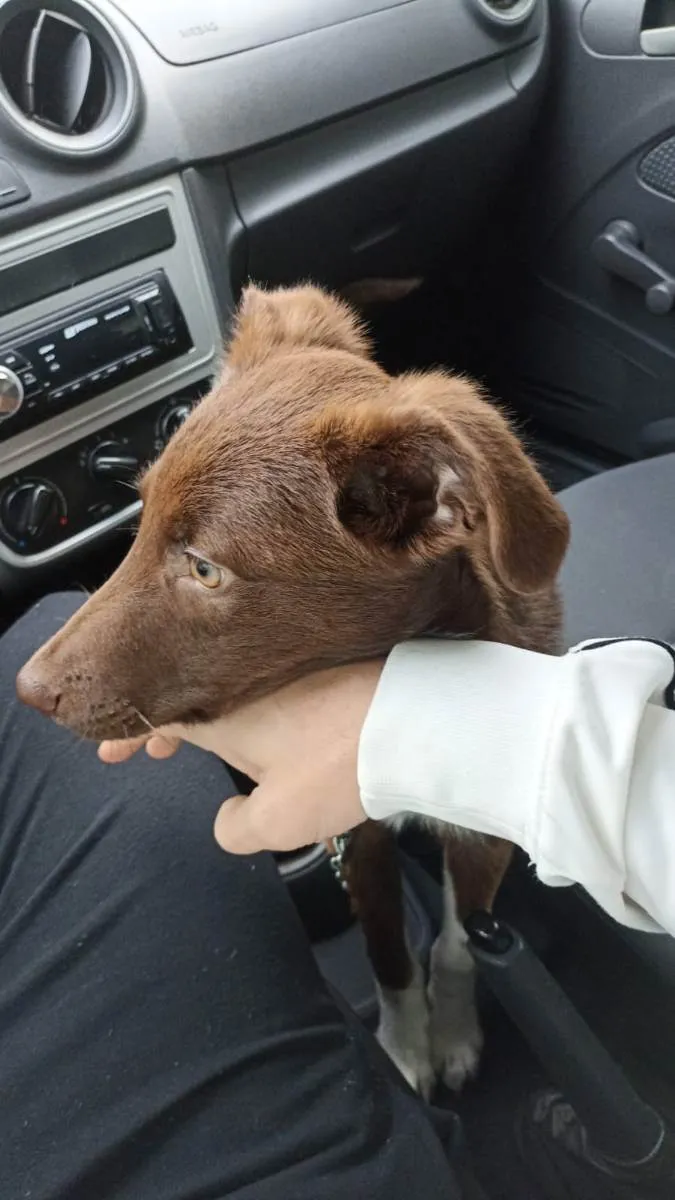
[456, 1059]
[412, 1060]
[403, 1033]
[456, 1040]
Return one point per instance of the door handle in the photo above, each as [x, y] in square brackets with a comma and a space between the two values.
[619, 250]
[659, 42]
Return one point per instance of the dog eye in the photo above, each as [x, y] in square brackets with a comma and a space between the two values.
[205, 573]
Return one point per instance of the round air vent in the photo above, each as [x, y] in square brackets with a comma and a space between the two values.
[66, 79]
[507, 12]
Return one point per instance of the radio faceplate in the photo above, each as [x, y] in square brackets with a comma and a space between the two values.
[122, 423]
[59, 502]
[91, 349]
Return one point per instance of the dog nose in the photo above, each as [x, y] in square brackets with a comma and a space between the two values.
[35, 692]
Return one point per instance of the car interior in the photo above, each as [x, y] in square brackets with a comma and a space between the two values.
[514, 160]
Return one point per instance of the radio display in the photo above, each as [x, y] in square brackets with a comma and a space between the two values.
[85, 345]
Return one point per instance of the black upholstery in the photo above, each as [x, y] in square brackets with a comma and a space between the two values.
[619, 576]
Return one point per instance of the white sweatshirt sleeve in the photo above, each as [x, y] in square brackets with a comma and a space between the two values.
[571, 758]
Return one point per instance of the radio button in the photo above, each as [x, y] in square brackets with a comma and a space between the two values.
[14, 360]
[30, 381]
[161, 316]
[100, 510]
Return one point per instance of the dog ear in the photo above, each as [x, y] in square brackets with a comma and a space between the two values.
[393, 471]
[520, 532]
[526, 531]
[439, 467]
[292, 318]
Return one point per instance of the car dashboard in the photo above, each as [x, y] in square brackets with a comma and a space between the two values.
[154, 157]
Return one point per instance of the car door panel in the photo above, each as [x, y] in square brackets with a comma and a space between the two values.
[591, 359]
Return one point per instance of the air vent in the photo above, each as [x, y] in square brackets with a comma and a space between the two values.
[507, 12]
[66, 79]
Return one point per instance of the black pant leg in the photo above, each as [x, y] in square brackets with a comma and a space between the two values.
[164, 1033]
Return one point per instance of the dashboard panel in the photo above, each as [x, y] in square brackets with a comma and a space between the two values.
[191, 32]
[222, 107]
[146, 145]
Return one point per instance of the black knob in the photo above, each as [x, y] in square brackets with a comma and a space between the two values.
[113, 462]
[28, 509]
[11, 393]
[171, 421]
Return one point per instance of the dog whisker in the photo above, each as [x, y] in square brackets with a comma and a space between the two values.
[152, 728]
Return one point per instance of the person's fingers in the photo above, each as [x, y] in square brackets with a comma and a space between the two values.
[234, 831]
[157, 746]
[249, 824]
[120, 751]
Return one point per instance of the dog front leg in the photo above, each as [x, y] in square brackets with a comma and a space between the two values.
[374, 880]
[472, 875]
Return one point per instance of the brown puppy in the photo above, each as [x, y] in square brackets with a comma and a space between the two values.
[313, 511]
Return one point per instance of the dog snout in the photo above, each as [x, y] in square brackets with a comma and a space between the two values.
[37, 691]
[77, 699]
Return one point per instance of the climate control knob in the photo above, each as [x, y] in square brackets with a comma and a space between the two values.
[113, 462]
[11, 393]
[175, 416]
[28, 510]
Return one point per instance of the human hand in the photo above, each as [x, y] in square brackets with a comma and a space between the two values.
[301, 746]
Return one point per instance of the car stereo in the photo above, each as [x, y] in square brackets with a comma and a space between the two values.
[92, 348]
[109, 335]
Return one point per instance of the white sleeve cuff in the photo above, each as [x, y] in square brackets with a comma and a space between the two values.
[542, 751]
[458, 731]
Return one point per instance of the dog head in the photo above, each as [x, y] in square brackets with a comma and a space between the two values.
[306, 514]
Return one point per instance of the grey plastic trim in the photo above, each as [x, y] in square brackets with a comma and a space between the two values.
[186, 32]
[187, 272]
[612, 27]
[658, 43]
[263, 95]
[218, 224]
[118, 122]
[47, 557]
